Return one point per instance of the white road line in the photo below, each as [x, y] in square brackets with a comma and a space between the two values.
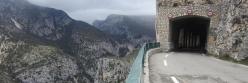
[166, 55]
[174, 79]
[165, 63]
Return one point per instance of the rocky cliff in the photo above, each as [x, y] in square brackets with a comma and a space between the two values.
[44, 45]
[232, 36]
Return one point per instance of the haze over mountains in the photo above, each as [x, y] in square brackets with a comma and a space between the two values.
[90, 10]
[131, 31]
[44, 45]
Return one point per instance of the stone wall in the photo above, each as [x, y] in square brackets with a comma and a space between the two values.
[231, 33]
[228, 26]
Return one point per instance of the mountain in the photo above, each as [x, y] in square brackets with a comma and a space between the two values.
[128, 30]
[45, 45]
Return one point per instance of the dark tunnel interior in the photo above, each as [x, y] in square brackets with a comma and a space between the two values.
[189, 33]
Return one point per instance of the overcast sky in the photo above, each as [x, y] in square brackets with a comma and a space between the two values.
[90, 10]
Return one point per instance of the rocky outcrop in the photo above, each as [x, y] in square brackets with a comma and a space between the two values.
[111, 71]
[232, 31]
[30, 62]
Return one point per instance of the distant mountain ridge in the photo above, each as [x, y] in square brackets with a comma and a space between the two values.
[129, 29]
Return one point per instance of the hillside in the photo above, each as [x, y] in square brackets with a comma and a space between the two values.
[45, 45]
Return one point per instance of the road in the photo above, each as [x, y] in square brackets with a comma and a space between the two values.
[185, 67]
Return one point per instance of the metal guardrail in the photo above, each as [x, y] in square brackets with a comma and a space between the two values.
[136, 72]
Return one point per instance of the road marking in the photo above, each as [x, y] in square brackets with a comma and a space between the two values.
[174, 79]
[166, 55]
[165, 63]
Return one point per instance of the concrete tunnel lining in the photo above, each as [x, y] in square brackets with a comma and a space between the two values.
[189, 33]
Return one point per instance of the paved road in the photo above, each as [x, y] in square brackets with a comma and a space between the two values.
[194, 68]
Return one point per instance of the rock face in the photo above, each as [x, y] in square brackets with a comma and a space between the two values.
[228, 24]
[131, 31]
[232, 31]
[111, 71]
[44, 45]
[176, 3]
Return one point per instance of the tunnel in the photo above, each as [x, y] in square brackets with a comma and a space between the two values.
[189, 33]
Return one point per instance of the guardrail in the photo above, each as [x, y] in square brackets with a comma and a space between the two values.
[136, 72]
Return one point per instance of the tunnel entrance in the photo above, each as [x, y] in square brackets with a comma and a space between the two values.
[189, 33]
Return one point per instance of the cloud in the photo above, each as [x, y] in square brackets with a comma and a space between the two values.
[90, 10]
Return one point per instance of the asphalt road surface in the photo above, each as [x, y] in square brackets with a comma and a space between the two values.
[194, 68]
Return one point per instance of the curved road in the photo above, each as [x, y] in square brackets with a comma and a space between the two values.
[194, 68]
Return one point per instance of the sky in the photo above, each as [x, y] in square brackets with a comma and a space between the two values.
[90, 10]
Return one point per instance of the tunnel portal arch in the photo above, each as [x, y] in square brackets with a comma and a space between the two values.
[166, 15]
[189, 33]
